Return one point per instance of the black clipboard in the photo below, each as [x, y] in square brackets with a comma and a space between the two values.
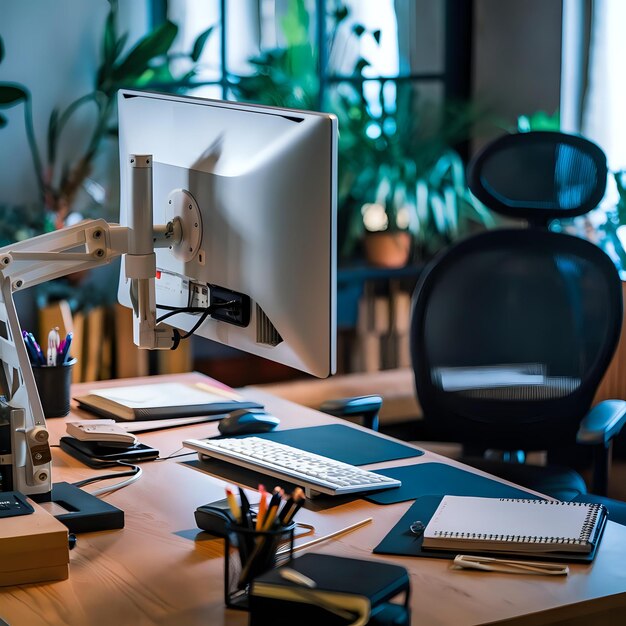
[400, 541]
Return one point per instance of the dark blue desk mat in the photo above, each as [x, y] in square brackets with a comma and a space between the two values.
[400, 541]
[343, 443]
[437, 479]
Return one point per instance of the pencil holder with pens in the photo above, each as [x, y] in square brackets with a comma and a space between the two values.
[53, 384]
[250, 553]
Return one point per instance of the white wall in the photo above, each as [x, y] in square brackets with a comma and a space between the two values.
[52, 47]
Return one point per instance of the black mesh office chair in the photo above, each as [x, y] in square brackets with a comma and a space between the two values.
[513, 329]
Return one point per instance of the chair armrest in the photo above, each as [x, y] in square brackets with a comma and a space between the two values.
[366, 407]
[602, 423]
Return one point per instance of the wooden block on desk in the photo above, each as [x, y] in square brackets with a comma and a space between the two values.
[37, 575]
[33, 548]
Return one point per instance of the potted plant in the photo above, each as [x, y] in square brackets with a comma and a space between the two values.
[145, 65]
[405, 188]
[401, 190]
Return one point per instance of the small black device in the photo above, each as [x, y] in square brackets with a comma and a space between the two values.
[14, 503]
[213, 517]
[247, 422]
[96, 454]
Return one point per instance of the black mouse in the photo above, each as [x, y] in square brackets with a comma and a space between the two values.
[247, 421]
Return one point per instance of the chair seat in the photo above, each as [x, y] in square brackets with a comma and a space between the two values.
[559, 482]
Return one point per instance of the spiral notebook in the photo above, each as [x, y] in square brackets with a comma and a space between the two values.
[514, 525]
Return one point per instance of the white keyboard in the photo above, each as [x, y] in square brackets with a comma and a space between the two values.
[314, 473]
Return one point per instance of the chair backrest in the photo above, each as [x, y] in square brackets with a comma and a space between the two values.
[513, 329]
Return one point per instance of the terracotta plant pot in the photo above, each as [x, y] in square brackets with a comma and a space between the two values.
[388, 249]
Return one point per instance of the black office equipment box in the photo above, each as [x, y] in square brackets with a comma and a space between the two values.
[344, 590]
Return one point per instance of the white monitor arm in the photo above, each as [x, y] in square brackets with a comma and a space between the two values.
[26, 465]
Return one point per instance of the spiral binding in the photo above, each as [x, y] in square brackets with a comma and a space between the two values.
[585, 533]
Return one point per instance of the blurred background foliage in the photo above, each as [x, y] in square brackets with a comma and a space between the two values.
[398, 167]
[146, 64]
[398, 170]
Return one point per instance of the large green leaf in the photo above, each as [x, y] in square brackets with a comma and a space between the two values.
[152, 45]
[199, 43]
[11, 94]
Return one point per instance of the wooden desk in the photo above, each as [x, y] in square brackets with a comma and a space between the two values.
[160, 569]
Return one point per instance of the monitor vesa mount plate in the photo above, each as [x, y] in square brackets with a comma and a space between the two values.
[182, 205]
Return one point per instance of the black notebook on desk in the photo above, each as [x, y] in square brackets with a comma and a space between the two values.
[344, 590]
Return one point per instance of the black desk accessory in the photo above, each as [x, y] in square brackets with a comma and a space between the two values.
[402, 541]
[249, 553]
[428, 479]
[85, 513]
[213, 517]
[13, 503]
[344, 443]
[97, 454]
[247, 421]
[276, 599]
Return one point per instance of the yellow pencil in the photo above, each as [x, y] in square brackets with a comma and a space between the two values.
[234, 506]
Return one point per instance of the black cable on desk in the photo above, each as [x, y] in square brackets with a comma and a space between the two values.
[94, 479]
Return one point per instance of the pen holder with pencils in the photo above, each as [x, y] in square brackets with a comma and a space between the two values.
[53, 384]
[250, 553]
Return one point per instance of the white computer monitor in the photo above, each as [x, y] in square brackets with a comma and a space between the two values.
[263, 181]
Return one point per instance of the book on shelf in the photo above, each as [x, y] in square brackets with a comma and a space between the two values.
[330, 590]
[512, 525]
[162, 401]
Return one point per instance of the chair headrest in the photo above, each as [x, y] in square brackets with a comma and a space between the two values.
[539, 176]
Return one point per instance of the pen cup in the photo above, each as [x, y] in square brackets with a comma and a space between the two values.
[53, 384]
[249, 553]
